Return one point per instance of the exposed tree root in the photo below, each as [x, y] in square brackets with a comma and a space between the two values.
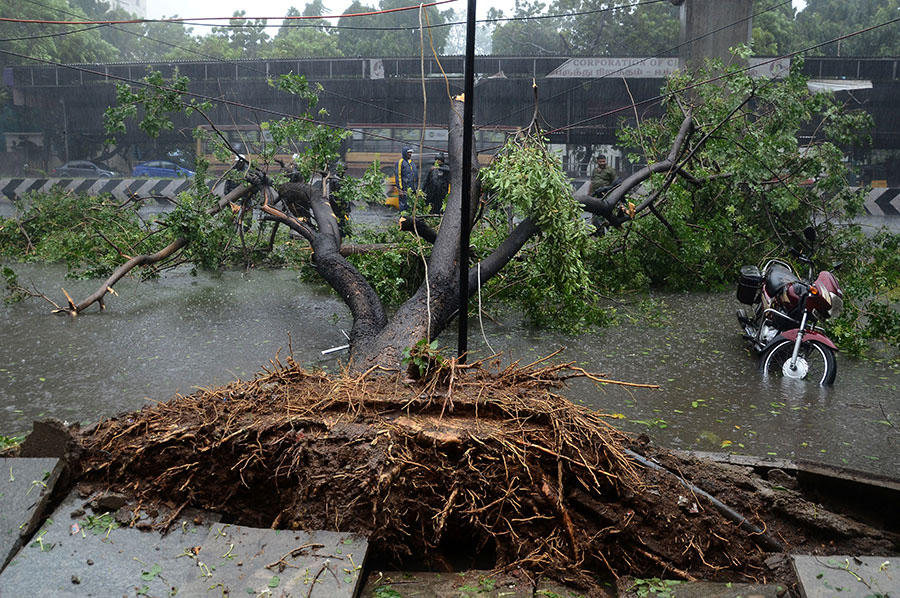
[514, 471]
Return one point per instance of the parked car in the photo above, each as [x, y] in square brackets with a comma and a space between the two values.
[85, 169]
[161, 169]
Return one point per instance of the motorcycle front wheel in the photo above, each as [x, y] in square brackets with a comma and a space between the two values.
[815, 362]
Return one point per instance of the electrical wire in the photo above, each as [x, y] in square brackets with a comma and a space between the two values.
[206, 21]
[559, 129]
[726, 75]
[182, 20]
[236, 64]
[657, 55]
[46, 35]
[221, 101]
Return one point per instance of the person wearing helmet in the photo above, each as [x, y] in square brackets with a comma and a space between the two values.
[437, 184]
[407, 177]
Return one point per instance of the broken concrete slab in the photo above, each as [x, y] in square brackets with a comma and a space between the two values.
[848, 576]
[83, 552]
[239, 561]
[25, 488]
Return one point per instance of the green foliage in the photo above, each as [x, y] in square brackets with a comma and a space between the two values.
[208, 235]
[14, 291]
[556, 288]
[395, 273]
[424, 359]
[655, 587]
[387, 592]
[754, 177]
[869, 275]
[8, 442]
[317, 146]
[759, 190]
[65, 227]
[157, 98]
[825, 20]
[241, 38]
[307, 37]
[392, 34]
[31, 39]
[591, 28]
[773, 28]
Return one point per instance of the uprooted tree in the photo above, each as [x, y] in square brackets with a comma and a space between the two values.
[726, 183]
[514, 473]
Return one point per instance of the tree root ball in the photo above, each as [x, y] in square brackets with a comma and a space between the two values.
[488, 461]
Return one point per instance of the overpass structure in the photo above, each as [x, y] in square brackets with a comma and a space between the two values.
[58, 110]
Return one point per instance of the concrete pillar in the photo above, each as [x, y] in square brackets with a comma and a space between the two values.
[711, 27]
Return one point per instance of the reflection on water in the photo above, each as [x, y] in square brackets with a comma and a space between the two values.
[183, 332]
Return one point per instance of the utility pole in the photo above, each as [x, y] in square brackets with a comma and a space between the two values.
[462, 346]
[65, 127]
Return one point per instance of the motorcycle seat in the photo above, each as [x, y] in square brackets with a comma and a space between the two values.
[777, 278]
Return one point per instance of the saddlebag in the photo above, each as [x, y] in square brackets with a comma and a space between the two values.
[748, 284]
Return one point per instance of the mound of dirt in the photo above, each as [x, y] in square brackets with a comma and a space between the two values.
[487, 463]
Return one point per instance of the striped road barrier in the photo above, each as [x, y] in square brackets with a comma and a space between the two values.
[120, 189]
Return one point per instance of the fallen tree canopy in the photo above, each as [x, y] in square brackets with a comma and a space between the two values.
[483, 461]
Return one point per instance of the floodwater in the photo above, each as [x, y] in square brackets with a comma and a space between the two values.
[183, 332]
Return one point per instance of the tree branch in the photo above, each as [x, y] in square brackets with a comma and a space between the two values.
[420, 228]
[502, 255]
[608, 206]
[145, 260]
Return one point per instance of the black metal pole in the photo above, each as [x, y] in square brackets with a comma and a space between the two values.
[462, 345]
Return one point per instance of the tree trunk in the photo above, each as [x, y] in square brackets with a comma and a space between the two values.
[426, 314]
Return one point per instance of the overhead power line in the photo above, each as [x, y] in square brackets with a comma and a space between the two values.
[726, 75]
[318, 26]
[221, 101]
[183, 20]
[657, 55]
[287, 21]
[196, 52]
[559, 129]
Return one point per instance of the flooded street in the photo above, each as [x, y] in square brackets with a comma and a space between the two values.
[182, 332]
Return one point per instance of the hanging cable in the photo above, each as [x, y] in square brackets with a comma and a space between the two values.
[421, 145]
[480, 320]
[657, 55]
[182, 20]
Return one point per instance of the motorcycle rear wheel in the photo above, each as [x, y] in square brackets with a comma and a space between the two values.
[816, 362]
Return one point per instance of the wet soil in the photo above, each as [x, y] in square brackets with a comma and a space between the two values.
[476, 467]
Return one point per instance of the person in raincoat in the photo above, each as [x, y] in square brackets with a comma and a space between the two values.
[407, 178]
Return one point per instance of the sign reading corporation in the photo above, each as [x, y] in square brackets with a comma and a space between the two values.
[651, 68]
[638, 68]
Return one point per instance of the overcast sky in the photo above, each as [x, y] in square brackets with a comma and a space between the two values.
[275, 9]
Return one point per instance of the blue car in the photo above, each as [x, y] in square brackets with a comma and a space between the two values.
[161, 169]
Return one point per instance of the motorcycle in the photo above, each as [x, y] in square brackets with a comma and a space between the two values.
[785, 310]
